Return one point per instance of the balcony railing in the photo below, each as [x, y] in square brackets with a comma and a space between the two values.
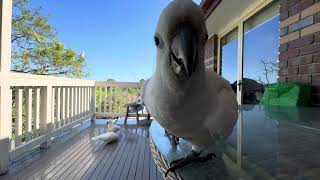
[43, 107]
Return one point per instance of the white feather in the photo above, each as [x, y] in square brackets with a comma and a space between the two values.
[106, 137]
[113, 127]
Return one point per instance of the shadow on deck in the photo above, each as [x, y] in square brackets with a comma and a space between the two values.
[76, 156]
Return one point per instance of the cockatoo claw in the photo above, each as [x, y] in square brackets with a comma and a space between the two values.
[174, 138]
[192, 157]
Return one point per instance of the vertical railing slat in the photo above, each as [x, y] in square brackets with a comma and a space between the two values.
[87, 101]
[18, 116]
[126, 94]
[36, 112]
[63, 104]
[72, 102]
[116, 100]
[78, 102]
[46, 121]
[100, 97]
[120, 100]
[93, 102]
[105, 95]
[28, 113]
[58, 105]
[81, 101]
[75, 103]
[53, 106]
[67, 106]
[110, 99]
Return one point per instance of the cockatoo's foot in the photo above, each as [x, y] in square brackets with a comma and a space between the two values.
[192, 157]
[174, 138]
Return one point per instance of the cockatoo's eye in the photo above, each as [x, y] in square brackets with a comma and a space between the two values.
[156, 41]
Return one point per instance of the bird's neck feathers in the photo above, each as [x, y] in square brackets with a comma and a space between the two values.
[168, 82]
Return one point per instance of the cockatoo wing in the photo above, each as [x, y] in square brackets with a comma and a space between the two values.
[224, 114]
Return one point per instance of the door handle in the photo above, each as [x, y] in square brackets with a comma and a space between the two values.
[240, 83]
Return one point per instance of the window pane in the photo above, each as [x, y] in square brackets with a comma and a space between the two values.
[229, 56]
[260, 59]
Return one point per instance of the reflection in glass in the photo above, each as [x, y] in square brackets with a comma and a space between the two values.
[229, 55]
[260, 53]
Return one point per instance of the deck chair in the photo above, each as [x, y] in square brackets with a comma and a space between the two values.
[133, 110]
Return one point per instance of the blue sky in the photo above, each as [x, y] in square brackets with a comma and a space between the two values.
[260, 43]
[116, 36]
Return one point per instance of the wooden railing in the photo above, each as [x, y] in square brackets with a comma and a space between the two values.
[43, 107]
[112, 97]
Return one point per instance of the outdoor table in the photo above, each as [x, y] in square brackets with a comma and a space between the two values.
[164, 151]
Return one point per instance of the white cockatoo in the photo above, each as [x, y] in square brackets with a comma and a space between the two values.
[107, 137]
[187, 100]
[113, 127]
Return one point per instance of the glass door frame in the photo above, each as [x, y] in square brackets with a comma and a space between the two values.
[239, 23]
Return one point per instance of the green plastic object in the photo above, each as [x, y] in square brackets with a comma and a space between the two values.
[287, 94]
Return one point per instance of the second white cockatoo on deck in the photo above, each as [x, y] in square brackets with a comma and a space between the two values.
[183, 97]
[113, 127]
[109, 136]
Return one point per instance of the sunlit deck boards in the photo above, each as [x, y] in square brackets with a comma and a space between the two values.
[79, 157]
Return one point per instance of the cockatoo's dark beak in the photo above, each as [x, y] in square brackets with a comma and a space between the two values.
[184, 51]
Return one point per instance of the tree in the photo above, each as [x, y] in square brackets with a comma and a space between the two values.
[35, 48]
[269, 69]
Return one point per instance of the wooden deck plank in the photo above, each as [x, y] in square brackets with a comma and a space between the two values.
[80, 158]
[93, 162]
[57, 159]
[47, 168]
[102, 165]
[133, 166]
[139, 170]
[153, 168]
[28, 166]
[112, 166]
[126, 156]
[68, 163]
[99, 161]
[81, 161]
[128, 163]
[53, 169]
[147, 159]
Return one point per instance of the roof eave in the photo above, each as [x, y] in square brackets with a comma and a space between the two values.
[208, 6]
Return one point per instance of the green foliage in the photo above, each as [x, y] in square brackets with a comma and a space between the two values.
[118, 98]
[35, 48]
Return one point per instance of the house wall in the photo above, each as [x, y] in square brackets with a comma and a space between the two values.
[211, 52]
[299, 50]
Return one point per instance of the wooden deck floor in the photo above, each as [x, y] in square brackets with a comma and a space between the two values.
[78, 157]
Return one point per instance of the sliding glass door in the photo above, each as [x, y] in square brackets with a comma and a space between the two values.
[229, 57]
[260, 53]
[249, 53]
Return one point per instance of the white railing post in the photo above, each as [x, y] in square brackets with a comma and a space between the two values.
[93, 102]
[58, 105]
[36, 112]
[5, 126]
[5, 91]
[18, 116]
[105, 95]
[46, 125]
[67, 106]
[100, 99]
[63, 108]
[28, 113]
